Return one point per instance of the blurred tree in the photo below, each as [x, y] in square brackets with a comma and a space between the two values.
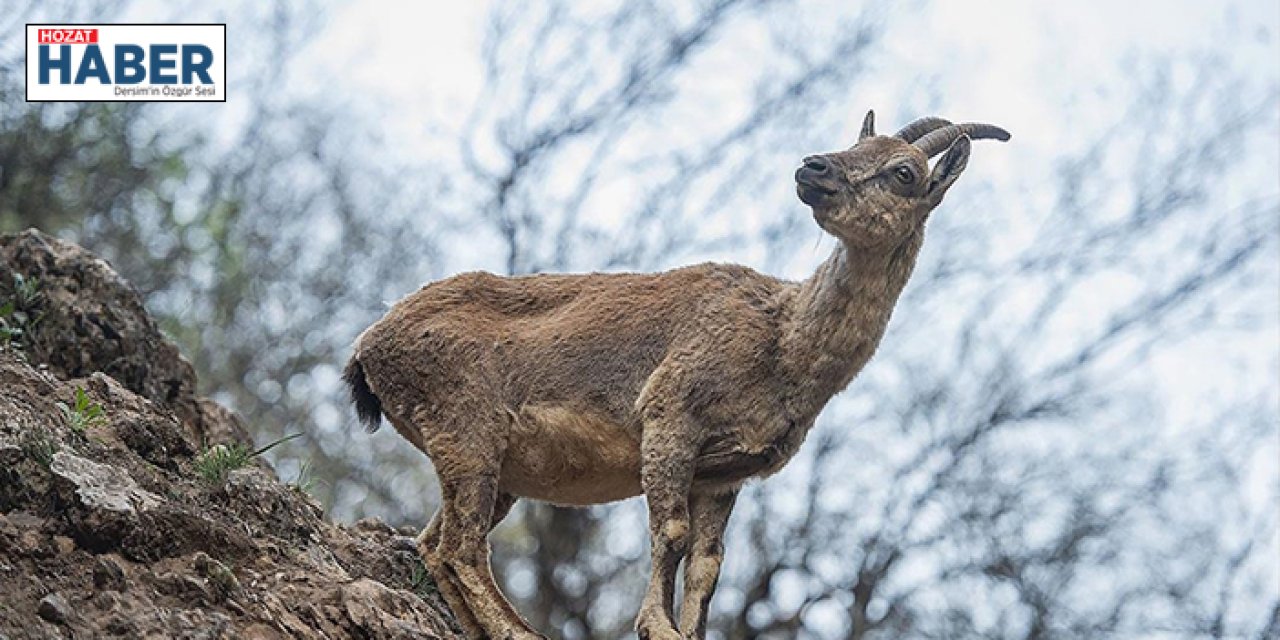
[1029, 490]
[244, 230]
[1034, 488]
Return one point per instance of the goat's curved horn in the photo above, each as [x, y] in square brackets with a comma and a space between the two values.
[868, 126]
[920, 127]
[939, 140]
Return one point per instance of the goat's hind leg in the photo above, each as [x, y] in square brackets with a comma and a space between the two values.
[467, 454]
[461, 558]
[429, 542]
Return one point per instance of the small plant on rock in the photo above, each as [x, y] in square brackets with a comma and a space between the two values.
[19, 311]
[9, 333]
[84, 413]
[306, 480]
[214, 463]
[26, 292]
[421, 582]
[38, 446]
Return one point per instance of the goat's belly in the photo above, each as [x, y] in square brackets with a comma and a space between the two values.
[729, 459]
[572, 457]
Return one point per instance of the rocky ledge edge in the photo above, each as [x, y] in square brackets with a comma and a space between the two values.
[111, 526]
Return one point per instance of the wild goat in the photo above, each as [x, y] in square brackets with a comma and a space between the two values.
[584, 389]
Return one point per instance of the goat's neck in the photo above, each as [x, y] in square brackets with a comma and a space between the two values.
[837, 318]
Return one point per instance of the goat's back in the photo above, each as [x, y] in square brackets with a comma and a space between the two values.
[590, 338]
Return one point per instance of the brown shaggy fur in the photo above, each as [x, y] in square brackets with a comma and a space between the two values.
[584, 389]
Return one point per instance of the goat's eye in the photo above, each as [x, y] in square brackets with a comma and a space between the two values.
[904, 175]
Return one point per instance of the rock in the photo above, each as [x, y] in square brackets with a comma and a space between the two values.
[108, 575]
[218, 425]
[117, 521]
[185, 587]
[374, 525]
[54, 609]
[102, 503]
[63, 544]
[99, 487]
[11, 453]
[279, 507]
[95, 321]
[156, 435]
[375, 610]
[92, 320]
[219, 575]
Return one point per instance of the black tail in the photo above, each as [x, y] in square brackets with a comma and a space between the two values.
[368, 407]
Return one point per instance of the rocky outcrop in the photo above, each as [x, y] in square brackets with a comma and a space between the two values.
[107, 528]
[92, 320]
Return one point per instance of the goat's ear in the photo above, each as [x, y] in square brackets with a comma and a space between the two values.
[868, 126]
[948, 169]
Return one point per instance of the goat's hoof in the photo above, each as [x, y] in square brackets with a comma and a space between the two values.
[659, 634]
[657, 631]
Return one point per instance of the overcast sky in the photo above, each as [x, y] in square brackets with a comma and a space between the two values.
[1026, 65]
[1054, 73]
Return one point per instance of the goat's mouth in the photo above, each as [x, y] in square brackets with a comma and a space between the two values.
[813, 194]
[809, 186]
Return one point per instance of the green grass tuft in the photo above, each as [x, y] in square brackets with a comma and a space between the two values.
[38, 446]
[19, 311]
[422, 583]
[214, 463]
[306, 480]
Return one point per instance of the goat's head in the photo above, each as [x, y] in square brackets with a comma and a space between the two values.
[880, 189]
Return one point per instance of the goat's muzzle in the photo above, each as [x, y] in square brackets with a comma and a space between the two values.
[812, 180]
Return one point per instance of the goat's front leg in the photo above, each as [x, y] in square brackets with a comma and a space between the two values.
[666, 473]
[709, 513]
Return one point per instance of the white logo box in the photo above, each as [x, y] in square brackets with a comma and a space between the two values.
[132, 62]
